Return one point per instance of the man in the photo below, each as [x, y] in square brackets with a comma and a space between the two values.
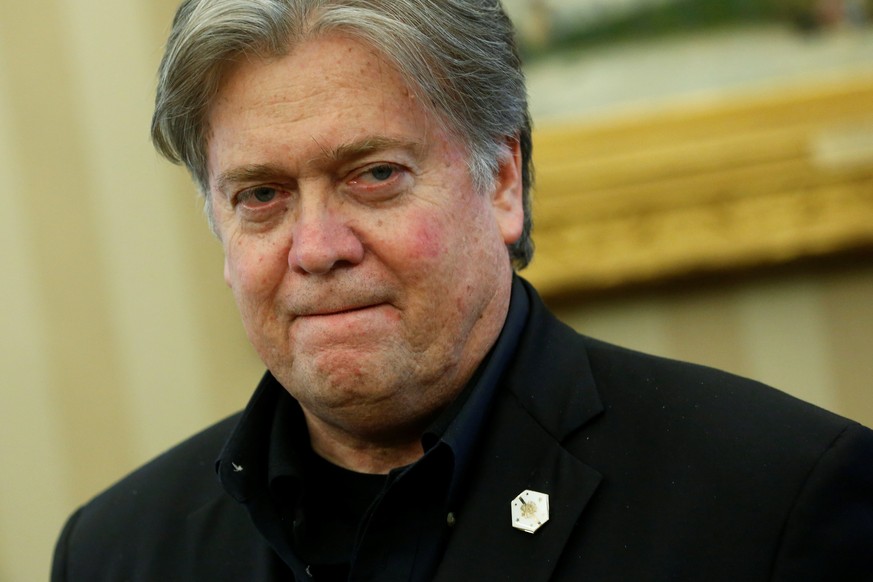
[366, 167]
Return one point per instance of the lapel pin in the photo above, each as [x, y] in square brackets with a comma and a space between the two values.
[530, 510]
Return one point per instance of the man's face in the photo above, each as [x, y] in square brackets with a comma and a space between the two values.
[371, 277]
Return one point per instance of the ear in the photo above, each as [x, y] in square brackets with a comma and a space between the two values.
[506, 199]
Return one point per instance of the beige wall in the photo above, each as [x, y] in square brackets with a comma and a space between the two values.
[806, 331]
[118, 337]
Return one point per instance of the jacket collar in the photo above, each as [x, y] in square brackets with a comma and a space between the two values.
[548, 394]
[551, 376]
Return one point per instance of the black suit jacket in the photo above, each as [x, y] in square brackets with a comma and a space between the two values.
[656, 470]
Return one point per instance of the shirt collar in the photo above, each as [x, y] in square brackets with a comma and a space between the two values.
[242, 464]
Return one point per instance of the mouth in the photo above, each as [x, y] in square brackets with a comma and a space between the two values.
[327, 311]
[340, 324]
[344, 310]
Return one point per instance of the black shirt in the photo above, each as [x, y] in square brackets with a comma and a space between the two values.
[327, 523]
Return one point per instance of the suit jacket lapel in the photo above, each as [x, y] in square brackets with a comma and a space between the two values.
[547, 394]
[484, 545]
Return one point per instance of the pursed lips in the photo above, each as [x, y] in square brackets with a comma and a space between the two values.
[343, 318]
[338, 310]
[341, 311]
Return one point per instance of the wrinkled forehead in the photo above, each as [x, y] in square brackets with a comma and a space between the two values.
[329, 99]
[318, 73]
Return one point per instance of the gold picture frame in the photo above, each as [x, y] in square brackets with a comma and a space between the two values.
[740, 180]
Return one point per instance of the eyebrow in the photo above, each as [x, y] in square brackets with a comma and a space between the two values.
[247, 173]
[363, 147]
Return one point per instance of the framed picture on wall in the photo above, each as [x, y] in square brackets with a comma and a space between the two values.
[682, 137]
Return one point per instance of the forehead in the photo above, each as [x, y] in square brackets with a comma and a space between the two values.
[329, 89]
[327, 57]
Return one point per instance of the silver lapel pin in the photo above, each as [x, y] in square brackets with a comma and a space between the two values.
[530, 510]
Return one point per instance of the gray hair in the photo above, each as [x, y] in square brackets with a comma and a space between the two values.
[458, 56]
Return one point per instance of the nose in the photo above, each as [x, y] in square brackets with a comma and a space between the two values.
[323, 240]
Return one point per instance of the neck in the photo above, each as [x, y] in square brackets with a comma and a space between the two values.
[370, 455]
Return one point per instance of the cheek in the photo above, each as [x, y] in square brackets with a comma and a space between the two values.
[439, 243]
[426, 242]
[252, 270]
[420, 240]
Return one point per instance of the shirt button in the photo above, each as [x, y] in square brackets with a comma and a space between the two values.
[450, 519]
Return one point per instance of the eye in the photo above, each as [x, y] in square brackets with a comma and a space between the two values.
[382, 173]
[256, 196]
[374, 176]
[264, 194]
[379, 182]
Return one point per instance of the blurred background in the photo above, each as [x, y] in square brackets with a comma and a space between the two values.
[705, 192]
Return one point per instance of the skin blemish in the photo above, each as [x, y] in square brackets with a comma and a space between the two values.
[426, 243]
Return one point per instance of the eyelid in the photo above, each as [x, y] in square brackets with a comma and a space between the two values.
[367, 169]
[248, 193]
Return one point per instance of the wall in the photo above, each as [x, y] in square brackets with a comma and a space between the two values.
[118, 337]
[805, 330]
